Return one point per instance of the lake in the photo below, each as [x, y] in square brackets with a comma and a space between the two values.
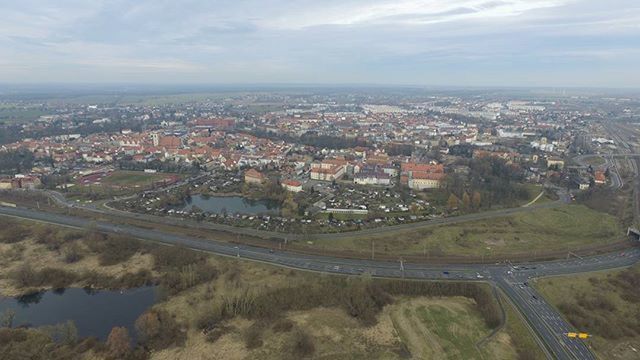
[93, 312]
[232, 205]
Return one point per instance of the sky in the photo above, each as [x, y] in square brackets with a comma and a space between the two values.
[572, 43]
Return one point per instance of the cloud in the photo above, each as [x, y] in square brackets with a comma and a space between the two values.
[337, 41]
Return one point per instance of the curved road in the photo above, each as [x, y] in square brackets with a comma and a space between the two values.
[545, 321]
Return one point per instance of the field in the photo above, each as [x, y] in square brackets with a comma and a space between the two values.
[447, 328]
[541, 230]
[117, 183]
[18, 115]
[135, 179]
[595, 161]
[604, 304]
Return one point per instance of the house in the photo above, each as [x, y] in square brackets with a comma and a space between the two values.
[599, 177]
[292, 185]
[6, 184]
[555, 162]
[422, 176]
[372, 178]
[425, 180]
[327, 172]
[253, 176]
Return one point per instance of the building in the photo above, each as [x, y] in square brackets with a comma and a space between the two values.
[327, 172]
[424, 180]
[292, 185]
[372, 178]
[599, 177]
[422, 176]
[253, 176]
[169, 142]
[555, 162]
[6, 184]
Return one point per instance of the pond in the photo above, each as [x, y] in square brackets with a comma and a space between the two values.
[94, 313]
[232, 205]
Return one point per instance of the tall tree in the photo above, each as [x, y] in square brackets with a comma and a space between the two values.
[466, 201]
[453, 202]
[119, 342]
[476, 200]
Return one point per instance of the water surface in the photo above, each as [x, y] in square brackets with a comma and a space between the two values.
[93, 312]
[232, 205]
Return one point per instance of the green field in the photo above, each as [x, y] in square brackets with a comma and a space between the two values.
[122, 178]
[553, 229]
[605, 305]
[595, 161]
[18, 115]
[446, 328]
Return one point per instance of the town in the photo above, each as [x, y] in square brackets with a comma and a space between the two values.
[313, 163]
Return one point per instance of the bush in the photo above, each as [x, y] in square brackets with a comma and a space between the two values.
[166, 257]
[71, 253]
[253, 336]
[159, 330]
[13, 232]
[282, 325]
[302, 344]
[216, 333]
[177, 280]
[113, 250]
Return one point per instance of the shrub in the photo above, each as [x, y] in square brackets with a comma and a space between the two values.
[113, 250]
[72, 253]
[118, 343]
[159, 330]
[253, 336]
[166, 257]
[302, 344]
[13, 232]
[282, 325]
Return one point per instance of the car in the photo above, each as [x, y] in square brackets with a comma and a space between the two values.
[445, 272]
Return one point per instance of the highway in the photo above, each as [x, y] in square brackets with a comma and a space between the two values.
[513, 280]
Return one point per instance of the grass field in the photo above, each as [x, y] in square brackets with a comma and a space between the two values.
[553, 229]
[17, 115]
[595, 161]
[446, 328]
[410, 328]
[135, 179]
[604, 304]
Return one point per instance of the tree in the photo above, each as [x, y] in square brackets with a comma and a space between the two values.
[148, 326]
[6, 319]
[453, 202]
[289, 206]
[466, 201]
[118, 342]
[476, 200]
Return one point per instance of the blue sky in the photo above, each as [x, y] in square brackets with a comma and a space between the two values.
[423, 42]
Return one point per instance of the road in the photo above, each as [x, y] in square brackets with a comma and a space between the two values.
[545, 321]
